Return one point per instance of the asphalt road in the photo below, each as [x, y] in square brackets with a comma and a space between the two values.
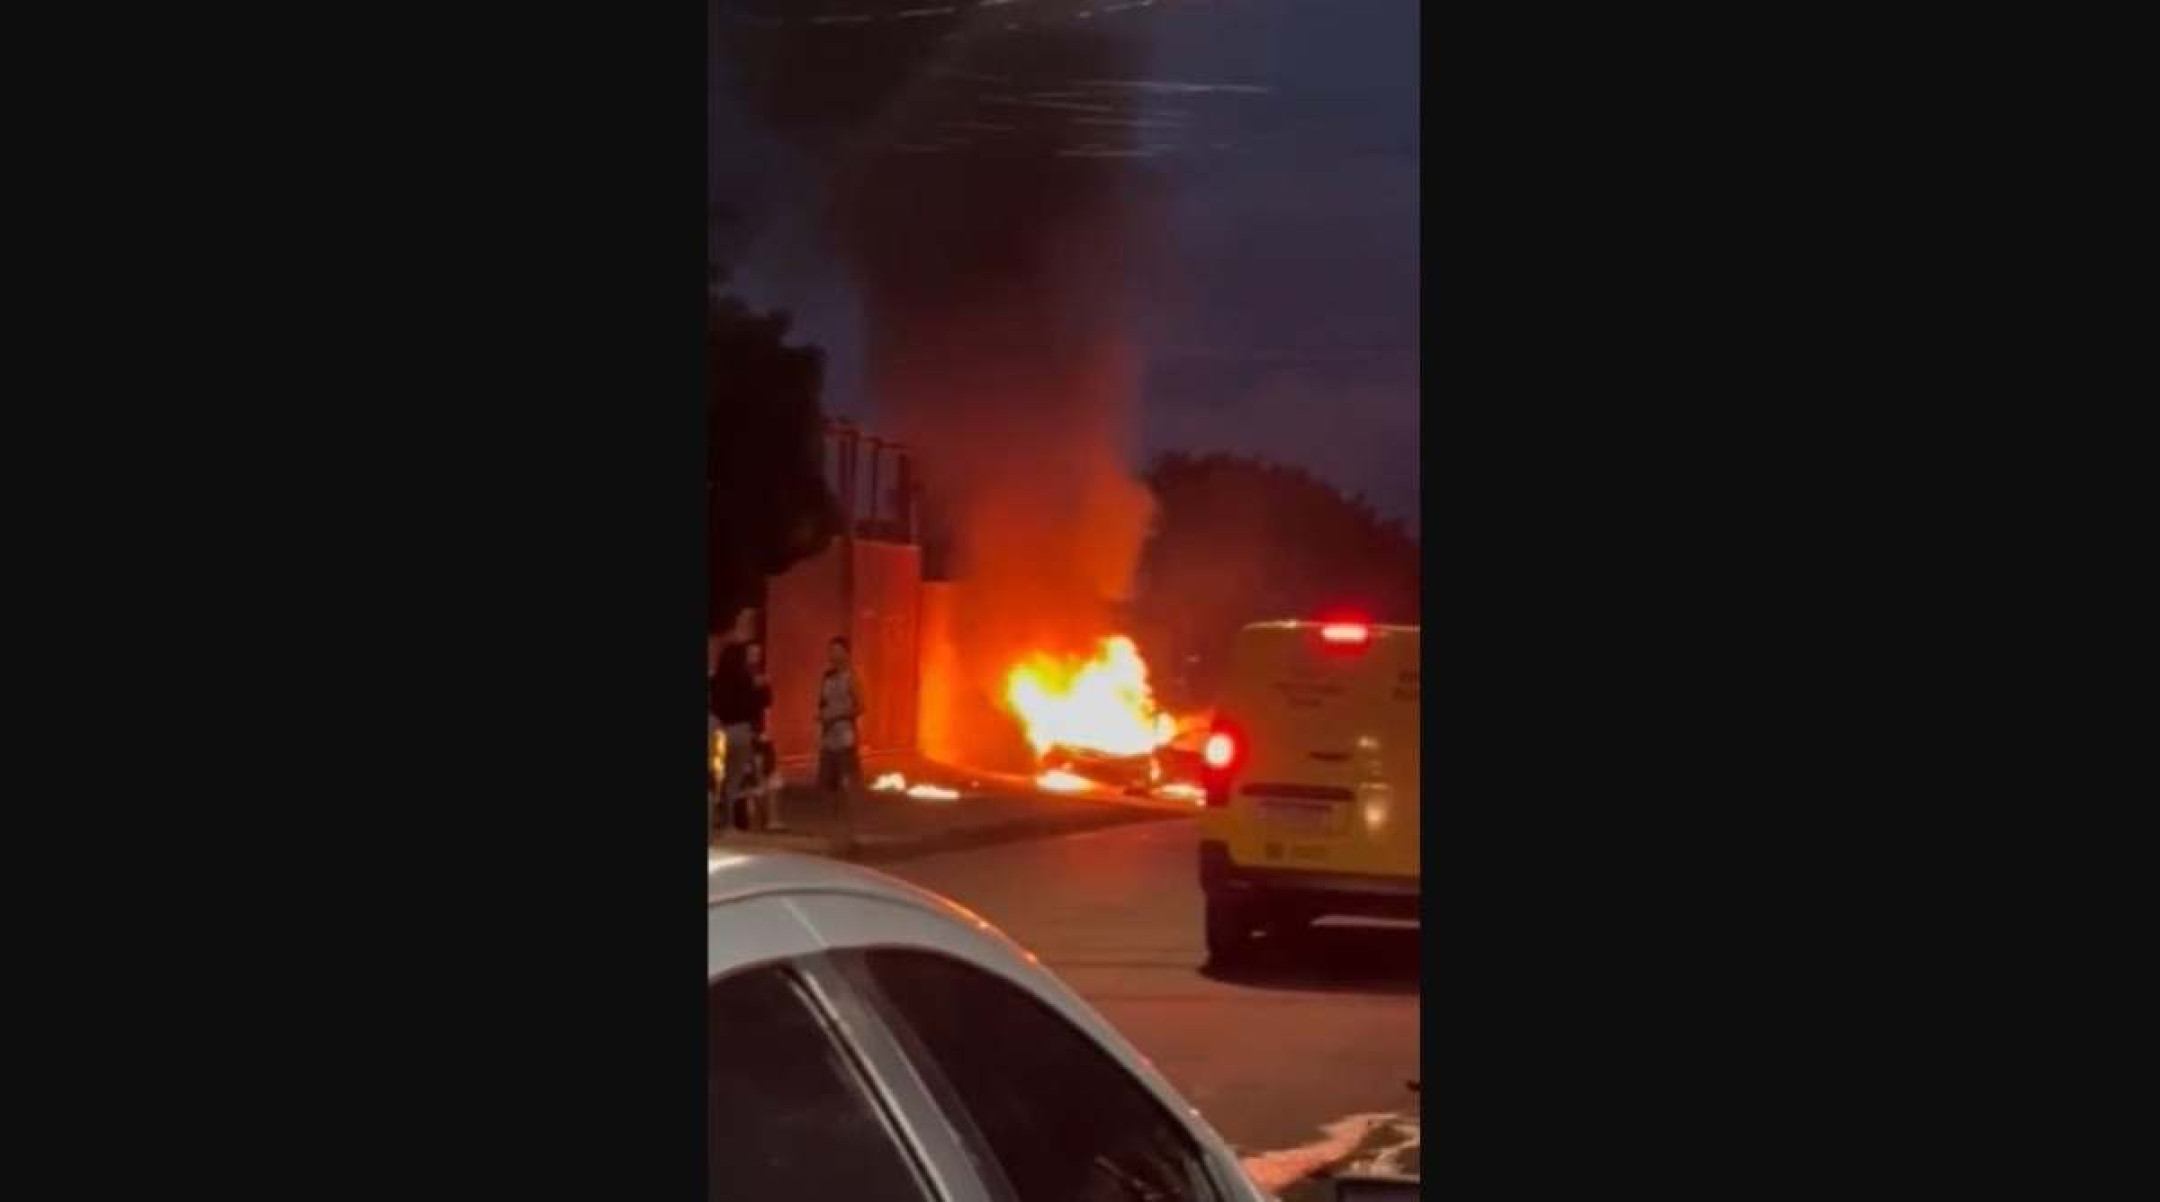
[1324, 1028]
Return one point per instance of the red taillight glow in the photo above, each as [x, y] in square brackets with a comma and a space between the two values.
[1220, 751]
[1346, 634]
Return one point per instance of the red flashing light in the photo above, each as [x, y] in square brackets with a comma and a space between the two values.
[1224, 748]
[1346, 634]
[1220, 750]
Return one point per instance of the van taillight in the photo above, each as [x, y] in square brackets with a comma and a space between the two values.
[1220, 754]
[1221, 751]
[1346, 634]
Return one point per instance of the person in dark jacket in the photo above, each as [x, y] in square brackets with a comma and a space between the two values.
[737, 699]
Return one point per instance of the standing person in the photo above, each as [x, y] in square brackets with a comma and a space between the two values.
[840, 709]
[741, 629]
[735, 704]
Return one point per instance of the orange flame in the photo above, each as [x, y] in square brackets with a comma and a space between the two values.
[1100, 704]
[894, 782]
[1057, 780]
[1179, 790]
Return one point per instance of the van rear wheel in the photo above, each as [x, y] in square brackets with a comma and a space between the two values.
[1288, 920]
[1229, 929]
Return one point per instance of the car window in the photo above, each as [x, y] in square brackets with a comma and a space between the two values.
[789, 1113]
[1056, 1117]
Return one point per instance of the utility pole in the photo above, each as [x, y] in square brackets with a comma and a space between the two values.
[877, 500]
[849, 443]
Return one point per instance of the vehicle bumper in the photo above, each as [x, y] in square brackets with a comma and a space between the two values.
[1343, 893]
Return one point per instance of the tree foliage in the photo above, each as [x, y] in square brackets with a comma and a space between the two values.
[1239, 540]
[767, 502]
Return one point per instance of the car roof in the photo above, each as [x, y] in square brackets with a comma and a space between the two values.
[735, 874]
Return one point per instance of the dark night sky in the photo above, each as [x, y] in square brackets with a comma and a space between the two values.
[1287, 321]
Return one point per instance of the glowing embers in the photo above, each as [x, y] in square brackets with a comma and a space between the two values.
[894, 782]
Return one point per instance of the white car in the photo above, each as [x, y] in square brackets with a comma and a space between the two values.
[873, 1042]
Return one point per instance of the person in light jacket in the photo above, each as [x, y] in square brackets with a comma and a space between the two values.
[840, 711]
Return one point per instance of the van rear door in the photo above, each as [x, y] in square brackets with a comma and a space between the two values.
[1328, 773]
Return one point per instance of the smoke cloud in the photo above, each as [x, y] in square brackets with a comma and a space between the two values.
[998, 277]
[991, 203]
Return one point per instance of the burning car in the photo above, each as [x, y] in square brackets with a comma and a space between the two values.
[1095, 721]
[1132, 772]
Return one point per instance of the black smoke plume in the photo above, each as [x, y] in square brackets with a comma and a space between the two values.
[989, 194]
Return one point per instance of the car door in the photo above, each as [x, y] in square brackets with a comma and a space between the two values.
[850, 961]
[791, 1110]
[807, 1094]
[1045, 1112]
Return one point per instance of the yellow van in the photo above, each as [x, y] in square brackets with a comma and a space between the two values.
[1312, 781]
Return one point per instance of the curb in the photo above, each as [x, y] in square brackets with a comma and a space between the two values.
[813, 844]
[875, 848]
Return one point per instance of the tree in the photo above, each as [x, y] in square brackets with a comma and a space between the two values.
[1239, 540]
[768, 506]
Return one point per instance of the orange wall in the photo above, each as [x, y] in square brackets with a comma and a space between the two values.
[888, 590]
[802, 610]
[936, 732]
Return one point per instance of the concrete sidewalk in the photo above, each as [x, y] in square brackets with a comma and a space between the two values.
[892, 826]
